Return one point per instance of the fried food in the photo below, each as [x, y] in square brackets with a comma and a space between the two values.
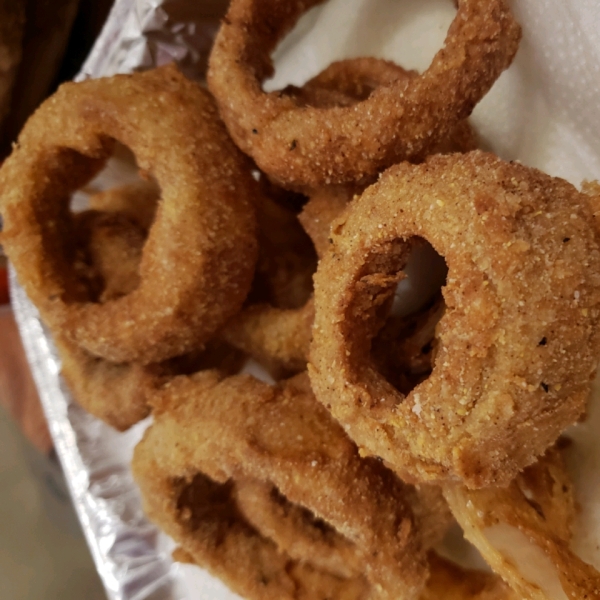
[519, 339]
[342, 84]
[137, 201]
[451, 582]
[108, 253]
[404, 349]
[255, 483]
[286, 256]
[116, 393]
[323, 207]
[204, 219]
[278, 338]
[299, 145]
[523, 532]
[346, 82]
[12, 19]
[109, 247]
[275, 326]
[120, 393]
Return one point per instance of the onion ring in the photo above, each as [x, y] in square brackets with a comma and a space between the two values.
[120, 393]
[274, 327]
[204, 218]
[306, 146]
[496, 224]
[345, 82]
[240, 429]
[532, 518]
[110, 244]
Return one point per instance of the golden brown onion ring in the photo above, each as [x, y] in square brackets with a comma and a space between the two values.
[120, 393]
[298, 145]
[519, 339]
[345, 82]
[523, 532]
[109, 247]
[204, 220]
[209, 434]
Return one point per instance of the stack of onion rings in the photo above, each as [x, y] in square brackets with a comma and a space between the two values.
[161, 291]
[211, 433]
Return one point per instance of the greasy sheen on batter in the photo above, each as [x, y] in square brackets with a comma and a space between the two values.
[198, 261]
[259, 485]
[519, 339]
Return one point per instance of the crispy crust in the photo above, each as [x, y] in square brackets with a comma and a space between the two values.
[203, 220]
[322, 208]
[300, 145]
[118, 394]
[239, 429]
[278, 338]
[540, 504]
[275, 326]
[518, 343]
[109, 245]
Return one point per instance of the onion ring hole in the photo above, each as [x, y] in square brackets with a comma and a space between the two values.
[425, 24]
[109, 224]
[403, 349]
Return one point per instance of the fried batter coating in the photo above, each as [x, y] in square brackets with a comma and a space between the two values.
[519, 340]
[345, 82]
[531, 518]
[109, 247]
[300, 145]
[120, 393]
[286, 256]
[222, 452]
[275, 326]
[108, 253]
[116, 393]
[279, 339]
[323, 207]
[404, 349]
[204, 219]
[138, 201]
[451, 582]
[295, 530]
